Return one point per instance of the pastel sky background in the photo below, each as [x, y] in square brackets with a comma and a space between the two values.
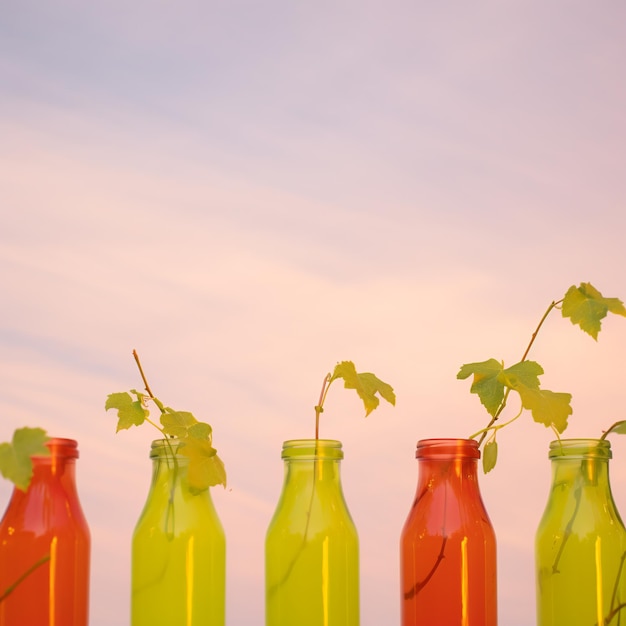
[248, 192]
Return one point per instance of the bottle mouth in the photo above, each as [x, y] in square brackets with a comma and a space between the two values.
[60, 447]
[447, 449]
[580, 449]
[311, 449]
[164, 448]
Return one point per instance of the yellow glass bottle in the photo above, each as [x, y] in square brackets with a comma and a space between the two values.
[580, 546]
[312, 547]
[178, 550]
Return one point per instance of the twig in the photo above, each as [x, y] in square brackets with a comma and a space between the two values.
[494, 419]
[11, 588]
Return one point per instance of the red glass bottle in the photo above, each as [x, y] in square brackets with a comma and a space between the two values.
[45, 546]
[448, 546]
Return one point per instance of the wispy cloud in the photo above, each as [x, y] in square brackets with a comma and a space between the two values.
[247, 194]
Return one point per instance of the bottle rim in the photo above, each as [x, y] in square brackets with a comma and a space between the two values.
[580, 449]
[161, 448]
[59, 447]
[312, 449]
[447, 448]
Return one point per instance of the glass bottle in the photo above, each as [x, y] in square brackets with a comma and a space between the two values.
[178, 571]
[311, 546]
[580, 545]
[448, 546]
[45, 546]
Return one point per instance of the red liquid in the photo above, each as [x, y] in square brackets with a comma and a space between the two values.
[45, 547]
[448, 546]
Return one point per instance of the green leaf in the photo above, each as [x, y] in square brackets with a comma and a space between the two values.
[490, 379]
[181, 428]
[619, 428]
[200, 430]
[586, 306]
[177, 423]
[15, 457]
[130, 412]
[522, 374]
[367, 385]
[486, 383]
[490, 455]
[547, 407]
[205, 467]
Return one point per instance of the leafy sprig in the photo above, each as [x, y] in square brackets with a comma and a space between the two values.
[191, 437]
[585, 307]
[16, 462]
[619, 428]
[366, 384]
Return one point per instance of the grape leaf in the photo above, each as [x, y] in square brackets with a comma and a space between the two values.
[177, 423]
[486, 383]
[586, 306]
[205, 467]
[191, 437]
[367, 385]
[490, 379]
[200, 430]
[522, 374]
[547, 407]
[15, 458]
[619, 428]
[130, 412]
[490, 455]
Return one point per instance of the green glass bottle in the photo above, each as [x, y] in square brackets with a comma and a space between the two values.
[580, 546]
[312, 547]
[178, 550]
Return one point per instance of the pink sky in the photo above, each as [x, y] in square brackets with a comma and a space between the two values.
[248, 194]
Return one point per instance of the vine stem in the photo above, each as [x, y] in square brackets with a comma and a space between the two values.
[613, 427]
[420, 584]
[609, 618]
[568, 529]
[484, 431]
[143, 376]
[319, 407]
[494, 419]
[167, 441]
[11, 588]
[149, 392]
[615, 609]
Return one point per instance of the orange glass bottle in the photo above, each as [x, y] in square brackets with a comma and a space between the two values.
[45, 546]
[448, 546]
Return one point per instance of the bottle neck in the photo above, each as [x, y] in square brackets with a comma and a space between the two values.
[312, 461]
[55, 472]
[447, 460]
[61, 469]
[173, 472]
[308, 471]
[58, 466]
[169, 466]
[580, 462]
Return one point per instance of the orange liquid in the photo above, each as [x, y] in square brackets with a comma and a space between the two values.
[45, 547]
[448, 546]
